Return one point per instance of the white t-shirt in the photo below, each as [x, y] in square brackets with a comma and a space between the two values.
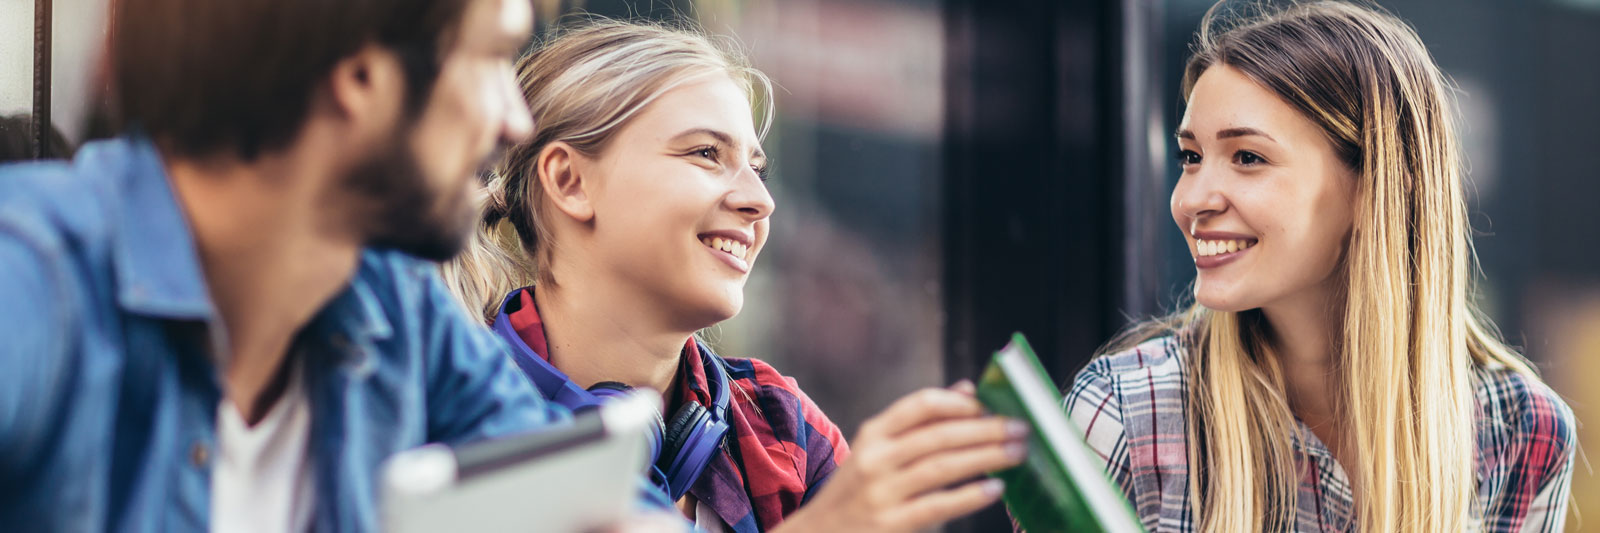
[262, 479]
[706, 519]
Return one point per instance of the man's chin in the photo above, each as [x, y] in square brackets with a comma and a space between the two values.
[435, 242]
[425, 232]
[436, 250]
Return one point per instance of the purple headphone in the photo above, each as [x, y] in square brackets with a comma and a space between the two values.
[682, 446]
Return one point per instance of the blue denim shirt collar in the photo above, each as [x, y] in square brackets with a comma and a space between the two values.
[351, 324]
[158, 266]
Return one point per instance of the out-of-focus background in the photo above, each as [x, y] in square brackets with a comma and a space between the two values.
[950, 171]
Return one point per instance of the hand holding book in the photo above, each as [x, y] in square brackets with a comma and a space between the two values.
[908, 464]
[1061, 487]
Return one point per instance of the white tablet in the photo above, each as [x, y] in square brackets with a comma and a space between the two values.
[570, 478]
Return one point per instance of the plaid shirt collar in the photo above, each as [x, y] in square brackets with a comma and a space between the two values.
[779, 449]
[692, 383]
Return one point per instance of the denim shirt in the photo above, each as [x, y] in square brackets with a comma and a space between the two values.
[108, 391]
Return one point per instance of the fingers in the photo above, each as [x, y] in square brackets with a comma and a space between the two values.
[942, 469]
[953, 435]
[920, 408]
[938, 507]
[909, 454]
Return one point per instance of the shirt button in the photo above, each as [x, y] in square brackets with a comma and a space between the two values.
[200, 455]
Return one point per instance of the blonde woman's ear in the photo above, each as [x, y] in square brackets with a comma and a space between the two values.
[563, 182]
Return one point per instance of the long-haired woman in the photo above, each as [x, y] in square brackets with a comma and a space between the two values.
[1333, 372]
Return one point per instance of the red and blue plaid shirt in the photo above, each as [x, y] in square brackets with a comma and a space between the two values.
[1132, 408]
[780, 449]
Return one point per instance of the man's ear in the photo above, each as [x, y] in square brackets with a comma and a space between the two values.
[557, 169]
[367, 89]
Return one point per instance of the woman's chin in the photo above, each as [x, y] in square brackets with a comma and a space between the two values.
[1222, 302]
[731, 308]
[713, 310]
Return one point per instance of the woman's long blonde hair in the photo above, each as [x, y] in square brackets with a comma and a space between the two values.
[582, 85]
[1411, 333]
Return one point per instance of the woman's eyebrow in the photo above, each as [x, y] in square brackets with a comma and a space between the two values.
[1243, 132]
[1228, 133]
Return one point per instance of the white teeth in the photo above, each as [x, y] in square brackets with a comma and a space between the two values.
[730, 246]
[1204, 248]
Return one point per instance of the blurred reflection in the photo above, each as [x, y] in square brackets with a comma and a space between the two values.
[17, 140]
[852, 306]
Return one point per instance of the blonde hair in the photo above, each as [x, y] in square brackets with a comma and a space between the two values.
[583, 85]
[1410, 330]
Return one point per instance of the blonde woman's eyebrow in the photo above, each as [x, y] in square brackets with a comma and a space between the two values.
[1243, 132]
[1228, 133]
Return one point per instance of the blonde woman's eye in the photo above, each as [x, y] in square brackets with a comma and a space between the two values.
[708, 152]
[1188, 157]
[1246, 157]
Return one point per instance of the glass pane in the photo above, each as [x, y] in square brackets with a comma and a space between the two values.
[16, 57]
[78, 42]
[848, 302]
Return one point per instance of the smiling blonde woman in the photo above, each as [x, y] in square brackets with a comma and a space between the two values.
[1334, 373]
[632, 219]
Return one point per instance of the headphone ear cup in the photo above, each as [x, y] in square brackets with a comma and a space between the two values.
[657, 435]
[678, 431]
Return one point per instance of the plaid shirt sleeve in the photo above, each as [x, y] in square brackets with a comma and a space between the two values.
[1129, 406]
[787, 450]
[1093, 406]
[1529, 461]
[1091, 402]
[824, 444]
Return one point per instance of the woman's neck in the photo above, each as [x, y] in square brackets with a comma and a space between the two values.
[1304, 329]
[1304, 334]
[593, 335]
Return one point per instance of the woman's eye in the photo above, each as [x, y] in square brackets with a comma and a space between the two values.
[761, 172]
[1246, 157]
[708, 152]
[1188, 157]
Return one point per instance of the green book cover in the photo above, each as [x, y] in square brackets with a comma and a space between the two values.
[1062, 486]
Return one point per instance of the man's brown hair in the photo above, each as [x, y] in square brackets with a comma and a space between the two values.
[208, 76]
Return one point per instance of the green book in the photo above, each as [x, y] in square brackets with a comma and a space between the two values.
[1063, 485]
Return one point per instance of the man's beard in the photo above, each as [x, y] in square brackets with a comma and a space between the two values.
[401, 211]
